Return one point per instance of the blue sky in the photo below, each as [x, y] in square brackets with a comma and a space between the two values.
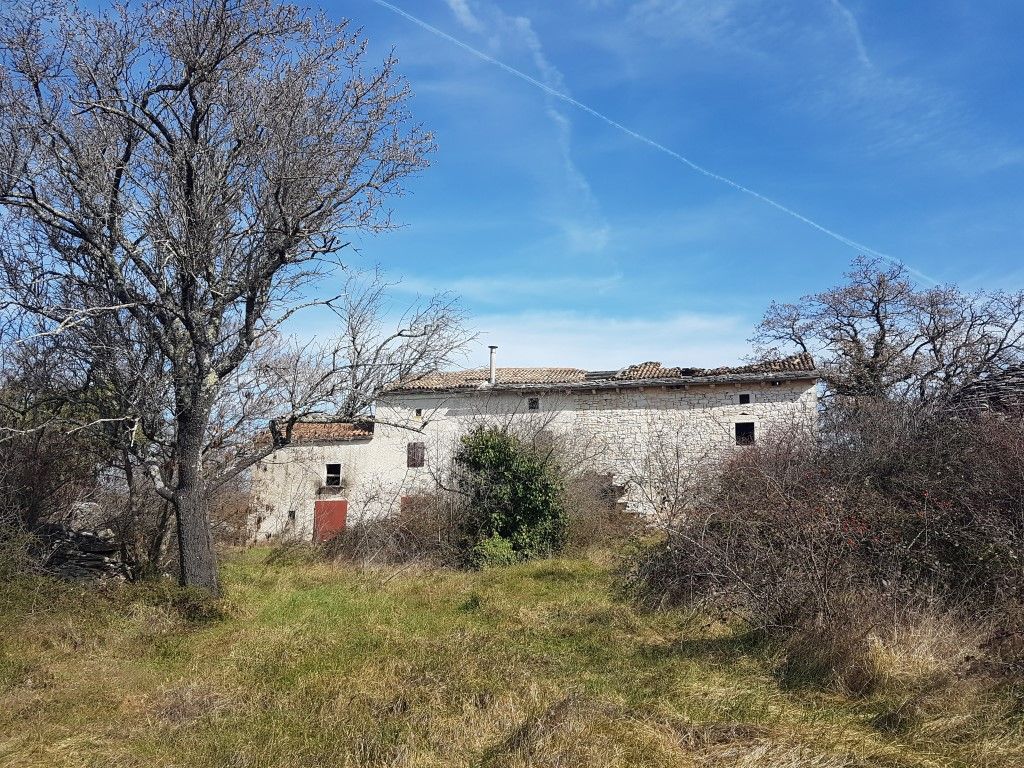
[574, 243]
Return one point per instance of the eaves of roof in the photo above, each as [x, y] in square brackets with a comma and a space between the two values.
[614, 384]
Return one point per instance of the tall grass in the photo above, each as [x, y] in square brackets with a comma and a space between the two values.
[312, 664]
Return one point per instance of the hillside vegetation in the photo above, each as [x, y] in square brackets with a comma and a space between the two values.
[308, 664]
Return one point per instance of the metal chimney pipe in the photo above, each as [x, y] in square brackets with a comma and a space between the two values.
[494, 374]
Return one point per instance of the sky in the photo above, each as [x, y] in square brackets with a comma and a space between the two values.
[581, 236]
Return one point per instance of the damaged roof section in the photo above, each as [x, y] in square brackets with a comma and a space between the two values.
[1001, 391]
[314, 432]
[643, 374]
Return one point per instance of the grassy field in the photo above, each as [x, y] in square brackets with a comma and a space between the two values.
[318, 665]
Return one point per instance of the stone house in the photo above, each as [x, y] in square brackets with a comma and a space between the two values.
[625, 420]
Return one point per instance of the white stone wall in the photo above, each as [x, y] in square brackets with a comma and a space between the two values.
[617, 431]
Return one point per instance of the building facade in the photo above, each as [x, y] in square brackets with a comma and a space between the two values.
[620, 423]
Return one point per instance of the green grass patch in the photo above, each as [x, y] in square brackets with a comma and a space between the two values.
[307, 664]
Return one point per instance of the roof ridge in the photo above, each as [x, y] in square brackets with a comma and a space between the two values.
[477, 378]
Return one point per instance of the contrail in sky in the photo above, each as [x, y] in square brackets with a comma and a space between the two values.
[650, 142]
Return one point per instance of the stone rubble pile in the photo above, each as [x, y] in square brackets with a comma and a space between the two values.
[81, 554]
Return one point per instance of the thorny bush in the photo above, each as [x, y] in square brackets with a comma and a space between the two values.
[883, 508]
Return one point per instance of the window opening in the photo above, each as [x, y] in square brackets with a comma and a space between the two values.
[415, 454]
[333, 475]
[744, 433]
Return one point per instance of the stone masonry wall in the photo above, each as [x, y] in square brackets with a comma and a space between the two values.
[620, 431]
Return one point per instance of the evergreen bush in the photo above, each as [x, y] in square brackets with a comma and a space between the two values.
[513, 492]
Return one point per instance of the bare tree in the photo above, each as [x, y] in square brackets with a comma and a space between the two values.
[380, 350]
[176, 180]
[879, 335]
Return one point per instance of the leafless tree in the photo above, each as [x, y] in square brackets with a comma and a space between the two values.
[176, 178]
[879, 335]
[380, 350]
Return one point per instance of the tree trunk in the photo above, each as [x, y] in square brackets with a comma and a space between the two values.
[195, 534]
[155, 544]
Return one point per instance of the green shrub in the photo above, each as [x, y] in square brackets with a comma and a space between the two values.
[494, 551]
[514, 497]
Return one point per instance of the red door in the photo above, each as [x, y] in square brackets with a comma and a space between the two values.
[329, 518]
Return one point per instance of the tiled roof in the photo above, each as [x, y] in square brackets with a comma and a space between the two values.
[474, 379]
[330, 431]
[797, 366]
[651, 370]
[655, 370]
[793, 363]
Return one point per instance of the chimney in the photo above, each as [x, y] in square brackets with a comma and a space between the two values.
[494, 373]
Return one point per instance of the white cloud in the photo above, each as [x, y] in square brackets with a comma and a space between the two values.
[851, 23]
[591, 340]
[503, 289]
[597, 342]
[706, 21]
[464, 15]
[571, 205]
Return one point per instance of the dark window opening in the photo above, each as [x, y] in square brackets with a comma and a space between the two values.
[744, 433]
[259, 521]
[419, 413]
[291, 515]
[776, 383]
[415, 454]
[744, 399]
[533, 404]
[333, 475]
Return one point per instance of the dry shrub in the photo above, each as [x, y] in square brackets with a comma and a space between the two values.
[1003, 648]
[426, 528]
[596, 519]
[508, 495]
[430, 528]
[821, 539]
[15, 550]
[928, 680]
[834, 653]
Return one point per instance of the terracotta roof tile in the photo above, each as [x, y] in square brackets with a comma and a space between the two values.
[518, 378]
[474, 379]
[655, 370]
[330, 431]
[793, 363]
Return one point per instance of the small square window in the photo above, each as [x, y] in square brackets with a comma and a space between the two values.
[415, 455]
[533, 404]
[291, 515]
[744, 433]
[745, 399]
[333, 475]
[419, 413]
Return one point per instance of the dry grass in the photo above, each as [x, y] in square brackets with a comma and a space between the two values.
[535, 665]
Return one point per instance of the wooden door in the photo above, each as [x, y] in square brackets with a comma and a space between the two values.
[329, 518]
